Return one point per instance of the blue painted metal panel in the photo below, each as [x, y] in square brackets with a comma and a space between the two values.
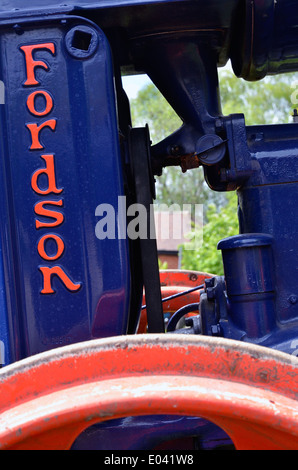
[68, 167]
[39, 4]
[260, 37]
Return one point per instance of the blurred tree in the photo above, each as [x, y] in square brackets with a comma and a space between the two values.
[264, 102]
[201, 253]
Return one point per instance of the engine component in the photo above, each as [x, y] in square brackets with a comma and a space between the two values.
[267, 37]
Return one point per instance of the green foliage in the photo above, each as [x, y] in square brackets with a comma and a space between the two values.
[150, 107]
[264, 102]
[221, 224]
[162, 265]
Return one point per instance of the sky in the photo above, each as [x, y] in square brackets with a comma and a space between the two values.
[134, 83]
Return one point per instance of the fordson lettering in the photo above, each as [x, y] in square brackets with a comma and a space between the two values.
[47, 208]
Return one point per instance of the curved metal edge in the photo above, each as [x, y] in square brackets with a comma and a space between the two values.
[150, 340]
[151, 374]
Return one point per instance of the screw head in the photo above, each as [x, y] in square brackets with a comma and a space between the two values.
[293, 299]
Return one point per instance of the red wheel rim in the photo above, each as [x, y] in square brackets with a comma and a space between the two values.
[250, 392]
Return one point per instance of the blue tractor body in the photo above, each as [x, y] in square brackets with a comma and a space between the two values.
[72, 165]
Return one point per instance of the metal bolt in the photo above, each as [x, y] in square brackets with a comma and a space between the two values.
[18, 29]
[175, 150]
[293, 299]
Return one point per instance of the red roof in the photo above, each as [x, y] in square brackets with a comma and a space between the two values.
[172, 229]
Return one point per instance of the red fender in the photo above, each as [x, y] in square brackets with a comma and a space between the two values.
[250, 392]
